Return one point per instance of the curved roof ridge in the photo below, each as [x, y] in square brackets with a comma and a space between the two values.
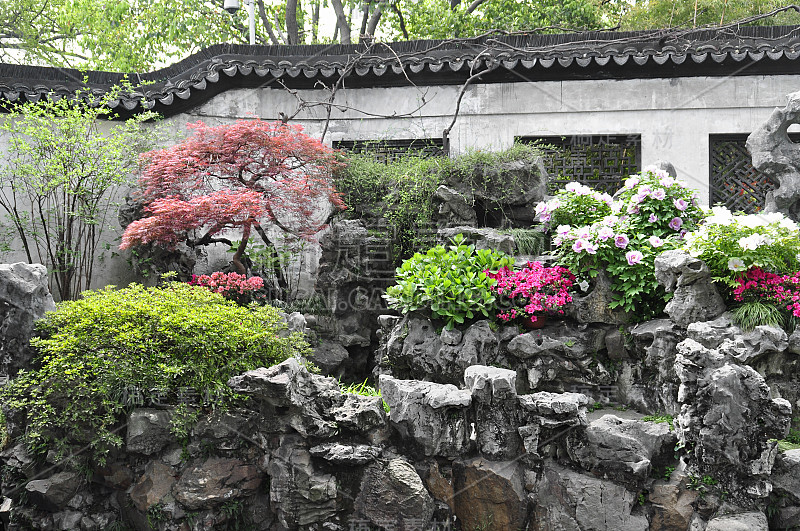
[585, 55]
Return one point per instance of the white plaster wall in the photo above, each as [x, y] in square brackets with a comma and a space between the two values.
[673, 116]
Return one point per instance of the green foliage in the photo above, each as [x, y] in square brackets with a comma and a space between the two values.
[183, 420]
[57, 186]
[528, 241]
[731, 244]
[235, 517]
[98, 352]
[401, 190]
[436, 19]
[751, 314]
[668, 472]
[450, 282]
[659, 14]
[364, 390]
[659, 419]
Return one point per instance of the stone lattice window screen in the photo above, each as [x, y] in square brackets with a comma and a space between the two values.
[389, 150]
[598, 161]
[735, 183]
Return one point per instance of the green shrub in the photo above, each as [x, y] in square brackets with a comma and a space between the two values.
[450, 282]
[100, 355]
[401, 190]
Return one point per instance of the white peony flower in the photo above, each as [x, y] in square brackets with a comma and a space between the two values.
[736, 264]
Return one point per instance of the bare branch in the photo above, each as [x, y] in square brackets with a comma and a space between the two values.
[474, 5]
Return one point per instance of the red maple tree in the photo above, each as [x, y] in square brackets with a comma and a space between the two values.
[235, 176]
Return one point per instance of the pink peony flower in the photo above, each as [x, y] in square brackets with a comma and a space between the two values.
[655, 241]
[621, 241]
[680, 204]
[634, 257]
[653, 218]
[676, 223]
[658, 194]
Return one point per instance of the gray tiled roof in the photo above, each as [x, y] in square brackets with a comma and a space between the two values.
[592, 55]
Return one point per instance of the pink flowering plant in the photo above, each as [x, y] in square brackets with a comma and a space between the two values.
[766, 298]
[531, 292]
[233, 286]
[647, 216]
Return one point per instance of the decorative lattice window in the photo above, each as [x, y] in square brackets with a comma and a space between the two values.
[734, 181]
[389, 150]
[599, 161]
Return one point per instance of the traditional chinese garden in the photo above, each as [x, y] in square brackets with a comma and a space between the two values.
[465, 348]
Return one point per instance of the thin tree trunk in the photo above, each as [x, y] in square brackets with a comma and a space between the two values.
[262, 13]
[474, 5]
[237, 256]
[374, 19]
[315, 21]
[401, 20]
[341, 21]
[292, 34]
[364, 18]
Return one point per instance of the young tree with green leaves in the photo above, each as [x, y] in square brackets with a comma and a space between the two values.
[58, 183]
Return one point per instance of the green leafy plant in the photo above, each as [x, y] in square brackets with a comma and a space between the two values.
[364, 390]
[660, 419]
[668, 470]
[97, 351]
[449, 282]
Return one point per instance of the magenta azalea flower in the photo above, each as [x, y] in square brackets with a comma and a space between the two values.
[634, 257]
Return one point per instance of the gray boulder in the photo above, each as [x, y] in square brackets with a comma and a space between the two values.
[54, 492]
[489, 494]
[752, 521]
[623, 451]
[657, 388]
[215, 481]
[360, 413]
[566, 500]
[455, 208]
[672, 503]
[291, 396]
[695, 297]
[393, 496]
[728, 420]
[494, 399]
[776, 157]
[300, 495]
[560, 357]
[595, 306]
[148, 431]
[346, 454]
[430, 416]
[415, 345]
[329, 356]
[24, 299]
[482, 238]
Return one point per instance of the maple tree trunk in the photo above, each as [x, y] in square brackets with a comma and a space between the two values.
[237, 256]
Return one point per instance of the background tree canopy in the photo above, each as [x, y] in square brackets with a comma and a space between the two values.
[140, 35]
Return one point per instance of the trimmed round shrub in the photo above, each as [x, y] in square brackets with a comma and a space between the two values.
[113, 349]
